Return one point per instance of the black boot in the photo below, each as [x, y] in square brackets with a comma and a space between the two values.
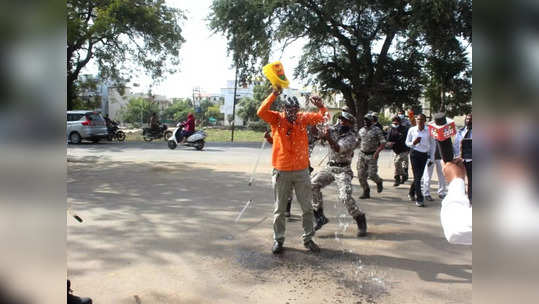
[320, 219]
[288, 206]
[397, 180]
[379, 187]
[361, 225]
[404, 177]
[366, 194]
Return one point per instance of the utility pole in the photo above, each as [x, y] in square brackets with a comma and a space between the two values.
[234, 104]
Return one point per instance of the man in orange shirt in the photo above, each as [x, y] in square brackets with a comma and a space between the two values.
[290, 160]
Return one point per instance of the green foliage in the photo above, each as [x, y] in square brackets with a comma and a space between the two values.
[215, 112]
[349, 43]
[247, 109]
[137, 109]
[115, 33]
[178, 110]
[384, 120]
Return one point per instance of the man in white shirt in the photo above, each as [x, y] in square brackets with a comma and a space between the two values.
[456, 212]
[421, 149]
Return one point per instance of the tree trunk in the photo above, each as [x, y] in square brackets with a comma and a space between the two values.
[71, 92]
[362, 107]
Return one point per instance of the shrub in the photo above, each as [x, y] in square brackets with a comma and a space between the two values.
[258, 126]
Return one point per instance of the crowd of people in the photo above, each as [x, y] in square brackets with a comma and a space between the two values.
[294, 133]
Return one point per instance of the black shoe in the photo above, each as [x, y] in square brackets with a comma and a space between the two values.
[404, 177]
[379, 187]
[397, 181]
[366, 194]
[361, 225]
[441, 196]
[429, 198]
[320, 219]
[277, 247]
[411, 198]
[419, 204]
[72, 299]
[311, 246]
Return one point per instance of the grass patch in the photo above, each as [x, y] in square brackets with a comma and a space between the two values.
[217, 135]
[214, 135]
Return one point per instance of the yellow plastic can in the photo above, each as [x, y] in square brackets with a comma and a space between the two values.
[275, 73]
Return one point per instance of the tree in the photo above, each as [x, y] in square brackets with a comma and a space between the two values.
[88, 97]
[178, 110]
[215, 112]
[112, 33]
[139, 110]
[372, 51]
[248, 108]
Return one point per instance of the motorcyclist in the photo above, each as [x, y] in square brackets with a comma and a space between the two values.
[188, 128]
[154, 122]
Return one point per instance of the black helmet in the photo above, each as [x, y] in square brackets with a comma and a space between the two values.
[368, 117]
[291, 102]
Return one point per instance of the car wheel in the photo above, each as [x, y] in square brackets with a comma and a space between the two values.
[75, 138]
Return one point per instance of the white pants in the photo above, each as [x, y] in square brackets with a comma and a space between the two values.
[427, 176]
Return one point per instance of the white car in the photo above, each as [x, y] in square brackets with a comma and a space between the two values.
[85, 124]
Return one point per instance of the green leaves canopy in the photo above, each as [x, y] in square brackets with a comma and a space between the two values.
[115, 32]
[374, 52]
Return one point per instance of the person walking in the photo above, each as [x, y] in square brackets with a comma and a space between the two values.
[427, 176]
[290, 160]
[396, 140]
[372, 141]
[421, 149]
[342, 142]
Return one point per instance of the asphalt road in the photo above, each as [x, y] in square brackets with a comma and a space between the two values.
[159, 227]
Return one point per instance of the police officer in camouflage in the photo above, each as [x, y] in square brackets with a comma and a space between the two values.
[372, 141]
[342, 142]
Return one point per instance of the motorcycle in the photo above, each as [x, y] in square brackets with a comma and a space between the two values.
[194, 140]
[150, 134]
[115, 132]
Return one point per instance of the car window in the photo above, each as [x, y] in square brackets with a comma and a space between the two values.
[74, 117]
[94, 116]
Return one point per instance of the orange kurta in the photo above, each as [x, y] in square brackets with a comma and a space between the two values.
[290, 142]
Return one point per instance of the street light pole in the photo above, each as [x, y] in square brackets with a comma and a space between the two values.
[234, 104]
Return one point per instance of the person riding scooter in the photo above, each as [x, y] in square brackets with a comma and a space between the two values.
[188, 128]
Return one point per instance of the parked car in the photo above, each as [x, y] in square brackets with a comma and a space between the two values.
[87, 125]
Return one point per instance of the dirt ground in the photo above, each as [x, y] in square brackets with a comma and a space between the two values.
[160, 227]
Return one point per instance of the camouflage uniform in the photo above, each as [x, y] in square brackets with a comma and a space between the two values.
[400, 161]
[338, 169]
[370, 138]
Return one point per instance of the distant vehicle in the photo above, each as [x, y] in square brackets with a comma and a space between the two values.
[115, 132]
[85, 125]
[149, 134]
[194, 140]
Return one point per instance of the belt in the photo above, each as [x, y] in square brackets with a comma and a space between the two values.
[368, 153]
[336, 164]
